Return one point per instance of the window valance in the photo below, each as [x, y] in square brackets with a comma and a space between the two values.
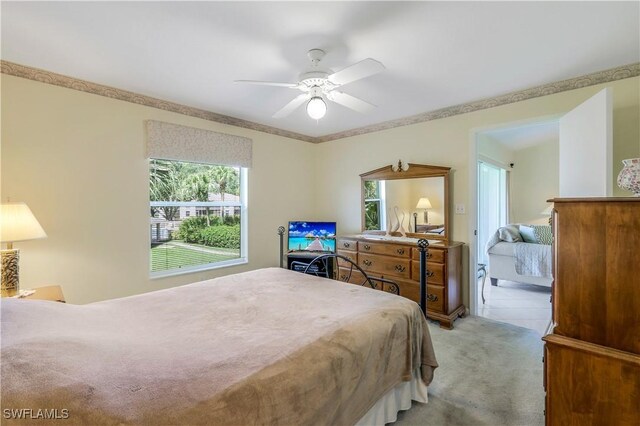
[169, 141]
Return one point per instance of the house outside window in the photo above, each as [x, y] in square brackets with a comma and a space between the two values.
[374, 205]
[197, 216]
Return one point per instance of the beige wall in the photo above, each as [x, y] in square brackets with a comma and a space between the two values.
[446, 142]
[495, 151]
[78, 160]
[534, 180]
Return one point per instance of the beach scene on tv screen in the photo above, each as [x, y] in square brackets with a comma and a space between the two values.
[312, 236]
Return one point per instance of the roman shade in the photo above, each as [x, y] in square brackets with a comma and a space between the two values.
[169, 141]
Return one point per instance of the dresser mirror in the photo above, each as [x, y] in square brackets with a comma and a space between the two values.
[418, 192]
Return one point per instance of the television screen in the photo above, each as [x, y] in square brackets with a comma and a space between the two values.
[312, 236]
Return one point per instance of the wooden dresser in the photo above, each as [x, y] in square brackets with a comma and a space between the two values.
[592, 357]
[400, 262]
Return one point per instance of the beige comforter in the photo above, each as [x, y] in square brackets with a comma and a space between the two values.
[264, 347]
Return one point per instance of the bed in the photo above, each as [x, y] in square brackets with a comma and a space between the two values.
[270, 346]
[521, 253]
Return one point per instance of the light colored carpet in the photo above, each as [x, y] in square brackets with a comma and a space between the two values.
[490, 373]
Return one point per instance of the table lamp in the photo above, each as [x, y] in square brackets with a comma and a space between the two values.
[424, 203]
[17, 223]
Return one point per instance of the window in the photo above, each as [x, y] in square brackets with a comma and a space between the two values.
[374, 206]
[197, 218]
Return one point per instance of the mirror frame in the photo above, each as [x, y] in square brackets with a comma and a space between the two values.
[414, 171]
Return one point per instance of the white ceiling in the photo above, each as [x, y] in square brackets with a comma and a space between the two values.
[437, 54]
[525, 136]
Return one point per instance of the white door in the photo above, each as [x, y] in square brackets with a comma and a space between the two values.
[586, 153]
[492, 205]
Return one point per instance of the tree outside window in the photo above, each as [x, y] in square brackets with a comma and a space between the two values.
[195, 215]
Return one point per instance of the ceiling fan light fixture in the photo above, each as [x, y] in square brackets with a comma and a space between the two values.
[316, 108]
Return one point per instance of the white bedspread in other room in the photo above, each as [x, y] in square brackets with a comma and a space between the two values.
[533, 260]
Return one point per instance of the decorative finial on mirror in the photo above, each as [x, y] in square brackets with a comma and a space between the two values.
[400, 167]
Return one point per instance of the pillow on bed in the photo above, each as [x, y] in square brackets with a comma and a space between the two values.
[509, 234]
[543, 234]
[528, 234]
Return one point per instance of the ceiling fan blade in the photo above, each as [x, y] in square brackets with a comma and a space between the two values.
[268, 83]
[362, 69]
[351, 102]
[291, 106]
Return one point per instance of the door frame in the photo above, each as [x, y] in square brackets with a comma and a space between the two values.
[473, 196]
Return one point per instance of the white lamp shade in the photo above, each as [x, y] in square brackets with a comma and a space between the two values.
[423, 203]
[17, 223]
[316, 108]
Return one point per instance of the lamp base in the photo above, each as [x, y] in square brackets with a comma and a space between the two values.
[10, 275]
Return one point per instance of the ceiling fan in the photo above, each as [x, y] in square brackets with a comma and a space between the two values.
[320, 83]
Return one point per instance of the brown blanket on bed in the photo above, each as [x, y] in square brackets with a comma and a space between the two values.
[264, 347]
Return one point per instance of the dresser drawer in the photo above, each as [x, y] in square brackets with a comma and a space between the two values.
[435, 298]
[355, 277]
[346, 244]
[384, 249]
[408, 289]
[433, 255]
[387, 266]
[411, 290]
[351, 255]
[435, 272]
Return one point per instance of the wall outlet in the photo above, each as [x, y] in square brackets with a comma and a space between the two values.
[459, 208]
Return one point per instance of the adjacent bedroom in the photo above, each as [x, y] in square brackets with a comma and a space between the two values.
[517, 175]
[319, 213]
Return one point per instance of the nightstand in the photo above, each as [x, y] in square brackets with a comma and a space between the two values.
[52, 292]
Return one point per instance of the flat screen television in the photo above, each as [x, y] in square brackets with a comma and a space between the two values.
[312, 237]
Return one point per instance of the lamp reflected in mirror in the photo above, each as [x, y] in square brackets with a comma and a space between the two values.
[425, 204]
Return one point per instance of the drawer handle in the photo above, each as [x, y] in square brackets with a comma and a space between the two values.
[367, 262]
[429, 255]
[400, 268]
[367, 247]
[346, 245]
[400, 251]
[344, 277]
[430, 273]
[432, 297]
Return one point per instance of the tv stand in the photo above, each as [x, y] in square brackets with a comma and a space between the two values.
[306, 258]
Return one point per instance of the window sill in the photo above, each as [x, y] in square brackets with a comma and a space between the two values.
[199, 268]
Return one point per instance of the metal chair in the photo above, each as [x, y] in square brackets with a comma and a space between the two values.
[319, 266]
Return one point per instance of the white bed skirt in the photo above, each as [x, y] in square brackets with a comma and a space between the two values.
[397, 399]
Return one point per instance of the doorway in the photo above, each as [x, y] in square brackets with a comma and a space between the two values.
[517, 172]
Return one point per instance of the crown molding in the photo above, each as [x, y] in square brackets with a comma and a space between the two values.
[43, 76]
[49, 77]
[600, 77]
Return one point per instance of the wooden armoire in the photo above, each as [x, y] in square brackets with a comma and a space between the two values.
[592, 356]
